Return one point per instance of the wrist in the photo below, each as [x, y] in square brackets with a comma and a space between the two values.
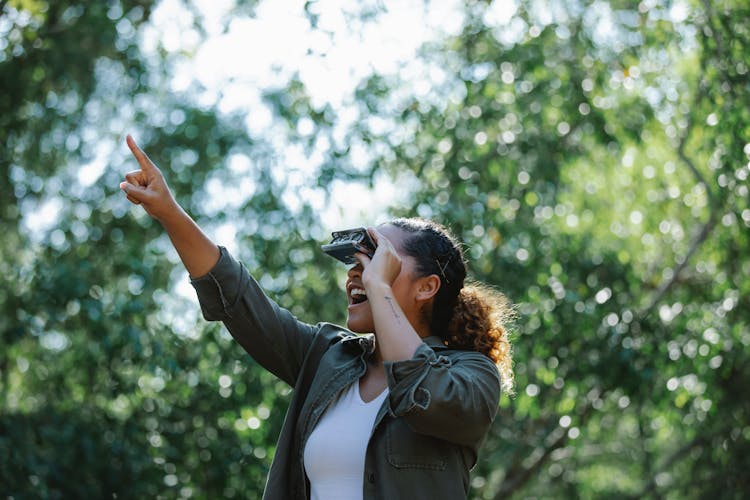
[171, 214]
[376, 286]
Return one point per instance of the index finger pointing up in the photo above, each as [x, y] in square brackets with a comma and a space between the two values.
[143, 160]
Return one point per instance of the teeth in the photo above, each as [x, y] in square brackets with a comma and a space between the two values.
[358, 291]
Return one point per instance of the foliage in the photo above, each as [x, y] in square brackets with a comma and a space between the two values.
[593, 157]
[602, 185]
[109, 386]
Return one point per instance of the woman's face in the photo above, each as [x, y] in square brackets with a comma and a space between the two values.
[404, 287]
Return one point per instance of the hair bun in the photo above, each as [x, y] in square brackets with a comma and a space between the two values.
[479, 324]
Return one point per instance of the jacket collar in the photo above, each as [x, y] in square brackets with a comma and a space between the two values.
[366, 342]
[434, 342]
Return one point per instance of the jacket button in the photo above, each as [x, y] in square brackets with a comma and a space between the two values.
[371, 478]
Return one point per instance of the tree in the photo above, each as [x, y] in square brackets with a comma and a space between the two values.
[110, 385]
[587, 156]
[593, 157]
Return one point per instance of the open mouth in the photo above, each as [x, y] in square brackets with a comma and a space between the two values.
[358, 295]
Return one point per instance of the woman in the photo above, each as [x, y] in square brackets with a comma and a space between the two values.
[400, 413]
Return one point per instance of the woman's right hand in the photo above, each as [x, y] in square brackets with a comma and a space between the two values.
[147, 187]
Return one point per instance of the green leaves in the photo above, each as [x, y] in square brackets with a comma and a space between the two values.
[575, 165]
[594, 161]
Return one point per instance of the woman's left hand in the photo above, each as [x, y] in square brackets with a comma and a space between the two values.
[385, 264]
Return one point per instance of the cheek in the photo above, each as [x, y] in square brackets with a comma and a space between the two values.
[403, 287]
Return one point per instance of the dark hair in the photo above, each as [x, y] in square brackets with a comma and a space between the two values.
[466, 316]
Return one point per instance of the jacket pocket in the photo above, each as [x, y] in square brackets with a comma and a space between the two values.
[408, 449]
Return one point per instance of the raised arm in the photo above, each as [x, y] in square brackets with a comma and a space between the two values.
[147, 187]
[226, 291]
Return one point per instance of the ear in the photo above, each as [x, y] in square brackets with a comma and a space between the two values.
[427, 287]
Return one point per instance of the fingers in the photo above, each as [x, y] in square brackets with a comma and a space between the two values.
[363, 259]
[135, 194]
[374, 234]
[135, 178]
[143, 160]
[381, 241]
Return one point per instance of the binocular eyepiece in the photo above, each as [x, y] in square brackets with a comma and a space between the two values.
[346, 243]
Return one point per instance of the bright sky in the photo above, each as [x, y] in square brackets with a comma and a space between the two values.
[242, 57]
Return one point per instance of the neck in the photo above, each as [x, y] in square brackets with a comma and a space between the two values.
[377, 357]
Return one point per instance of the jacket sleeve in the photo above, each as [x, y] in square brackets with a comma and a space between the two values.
[452, 398]
[269, 333]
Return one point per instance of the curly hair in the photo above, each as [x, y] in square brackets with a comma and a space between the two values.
[469, 316]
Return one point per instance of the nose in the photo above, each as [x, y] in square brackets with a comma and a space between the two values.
[355, 270]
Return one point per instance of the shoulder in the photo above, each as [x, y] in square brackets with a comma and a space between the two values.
[471, 360]
[437, 345]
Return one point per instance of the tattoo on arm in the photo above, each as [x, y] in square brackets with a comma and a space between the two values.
[393, 309]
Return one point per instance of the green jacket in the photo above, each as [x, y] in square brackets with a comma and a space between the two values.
[427, 433]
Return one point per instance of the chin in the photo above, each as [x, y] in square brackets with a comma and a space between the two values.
[360, 323]
[359, 327]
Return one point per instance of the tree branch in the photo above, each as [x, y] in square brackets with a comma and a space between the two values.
[515, 483]
[556, 439]
[678, 455]
[707, 227]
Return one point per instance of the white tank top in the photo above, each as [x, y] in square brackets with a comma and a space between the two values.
[334, 455]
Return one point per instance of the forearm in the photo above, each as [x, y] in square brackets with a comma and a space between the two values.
[397, 339]
[196, 250]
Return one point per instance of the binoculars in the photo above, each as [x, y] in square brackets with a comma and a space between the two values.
[346, 243]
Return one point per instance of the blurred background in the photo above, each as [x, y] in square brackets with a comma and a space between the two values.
[593, 156]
